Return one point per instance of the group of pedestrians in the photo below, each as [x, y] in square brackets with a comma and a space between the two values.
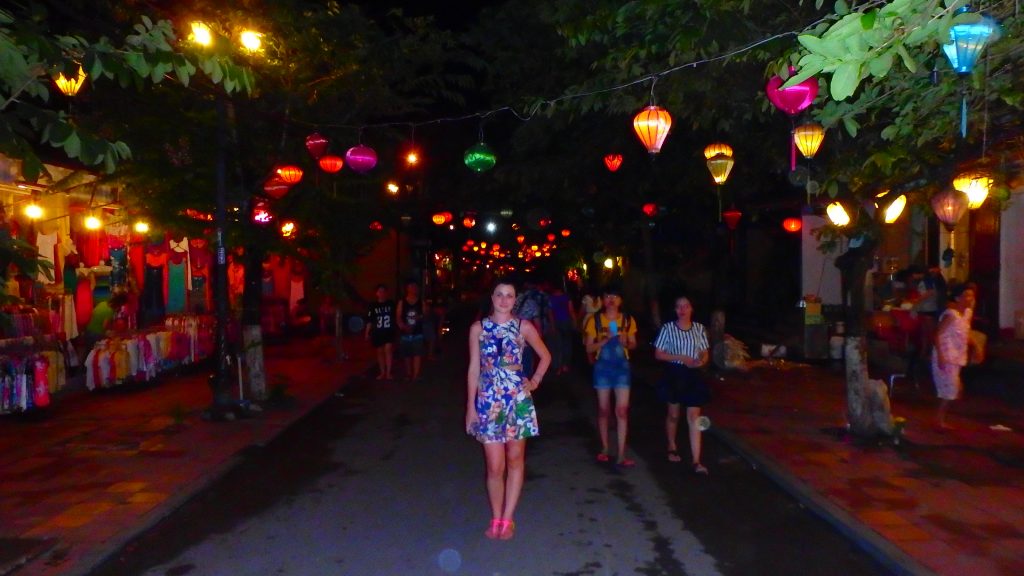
[414, 323]
[508, 360]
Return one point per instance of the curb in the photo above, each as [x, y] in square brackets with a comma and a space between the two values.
[887, 554]
[93, 560]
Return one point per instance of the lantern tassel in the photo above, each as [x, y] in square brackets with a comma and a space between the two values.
[963, 116]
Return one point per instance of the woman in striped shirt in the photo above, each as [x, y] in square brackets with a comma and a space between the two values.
[683, 344]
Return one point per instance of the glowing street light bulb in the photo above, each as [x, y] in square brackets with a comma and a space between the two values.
[412, 158]
[142, 227]
[34, 211]
[201, 34]
[93, 223]
[392, 188]
[609, 263]
[492, 227]
[251, 40]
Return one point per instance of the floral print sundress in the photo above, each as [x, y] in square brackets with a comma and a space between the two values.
[504, 408]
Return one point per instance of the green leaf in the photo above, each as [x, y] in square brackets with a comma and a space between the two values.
[908, 60]
[72, 146]
[867, 19]
[851, 126]
[59, 132]
[845, 80]
[827, 48]
[842, 8]
[832, 189]
[880, 65]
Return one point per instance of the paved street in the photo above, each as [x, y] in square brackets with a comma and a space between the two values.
[384, 481]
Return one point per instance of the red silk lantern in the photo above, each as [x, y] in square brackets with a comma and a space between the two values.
[792, 224]
[613, 161]
[290, 174]
[732, 218]
[544, 222]
[376, 226]
[316, 145]
[520, 239]
[650, 209]
[652, 125]
[469, 221]
[276, 187]
[566, 233]
[551, 237]
[331, 164]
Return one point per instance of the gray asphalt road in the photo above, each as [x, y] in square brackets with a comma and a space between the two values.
[383, 481]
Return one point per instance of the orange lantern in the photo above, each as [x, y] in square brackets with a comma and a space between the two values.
[331, 163]
[714, 149]
[70, 86]
[613, 161]
[438, 219]
[808, 138]
[290, 174]
[288, 229]
[520, 239]
[792, 224]
[652, 125]
[566, 233]
[469, 221]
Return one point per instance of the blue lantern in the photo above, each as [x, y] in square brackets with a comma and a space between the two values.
[969, 39]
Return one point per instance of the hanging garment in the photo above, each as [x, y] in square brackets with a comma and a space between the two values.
[176, 283]
[118, 266]
[92, 246]
[46, 244]
[151, 305]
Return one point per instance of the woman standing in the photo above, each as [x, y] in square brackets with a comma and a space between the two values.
[683, 344]
[610, 335]
[499, 409]
[950, 352]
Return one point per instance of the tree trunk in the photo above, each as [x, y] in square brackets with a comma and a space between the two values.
[867, 403]
[252, 331]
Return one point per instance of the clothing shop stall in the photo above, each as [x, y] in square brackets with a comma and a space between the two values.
[58, 327]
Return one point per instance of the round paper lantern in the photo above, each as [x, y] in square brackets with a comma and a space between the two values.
[376, 226]
[551, 237]
[566, 233]
[794, 99]
[949, 206]
[976, 185]
[613, 162]
[650, 209]
[732, 218]
[316, 145]
[717, 148]
[276, 187]
[290, 174]
[469, 221]
[808, 138]
[792, 224]
[361, 158]
[479, 157]
[331, 164]
[652, 125]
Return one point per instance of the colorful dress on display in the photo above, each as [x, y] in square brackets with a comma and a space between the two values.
[177, 275]
[151, 304]
[505, 410]
[199, 261]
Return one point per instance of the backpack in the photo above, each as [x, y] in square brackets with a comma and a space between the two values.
[626, 321]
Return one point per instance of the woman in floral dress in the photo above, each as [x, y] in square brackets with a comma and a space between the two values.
[499, 408]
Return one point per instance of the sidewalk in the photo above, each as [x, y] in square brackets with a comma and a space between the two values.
[101, 467]
[943, 503]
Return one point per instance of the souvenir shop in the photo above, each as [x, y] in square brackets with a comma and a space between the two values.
[117, 303]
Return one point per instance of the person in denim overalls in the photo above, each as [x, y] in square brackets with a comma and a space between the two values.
[610, 335]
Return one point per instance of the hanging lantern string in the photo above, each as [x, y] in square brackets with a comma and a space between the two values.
[533, 109]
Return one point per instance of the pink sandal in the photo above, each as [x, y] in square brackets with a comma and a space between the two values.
[508, 530]
[495, 529]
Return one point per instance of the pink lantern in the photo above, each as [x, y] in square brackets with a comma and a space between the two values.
[361, 158]
[316, 145]
[792, 101]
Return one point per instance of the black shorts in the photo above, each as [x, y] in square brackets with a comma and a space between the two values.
[382, 337]
[683, 385]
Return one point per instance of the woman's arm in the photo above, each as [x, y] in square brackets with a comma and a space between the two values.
[535, 342]
[940, 335]
[400, 316]
[473, 376]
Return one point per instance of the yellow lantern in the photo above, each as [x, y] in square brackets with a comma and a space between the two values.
[652, 125]
[808, 138]
[720, 166]
[894, 209]
[718, 148]
[201, 34]
[70, 86]
[837, 214]
[976, 185]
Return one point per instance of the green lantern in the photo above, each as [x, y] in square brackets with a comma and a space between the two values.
[479, 157]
